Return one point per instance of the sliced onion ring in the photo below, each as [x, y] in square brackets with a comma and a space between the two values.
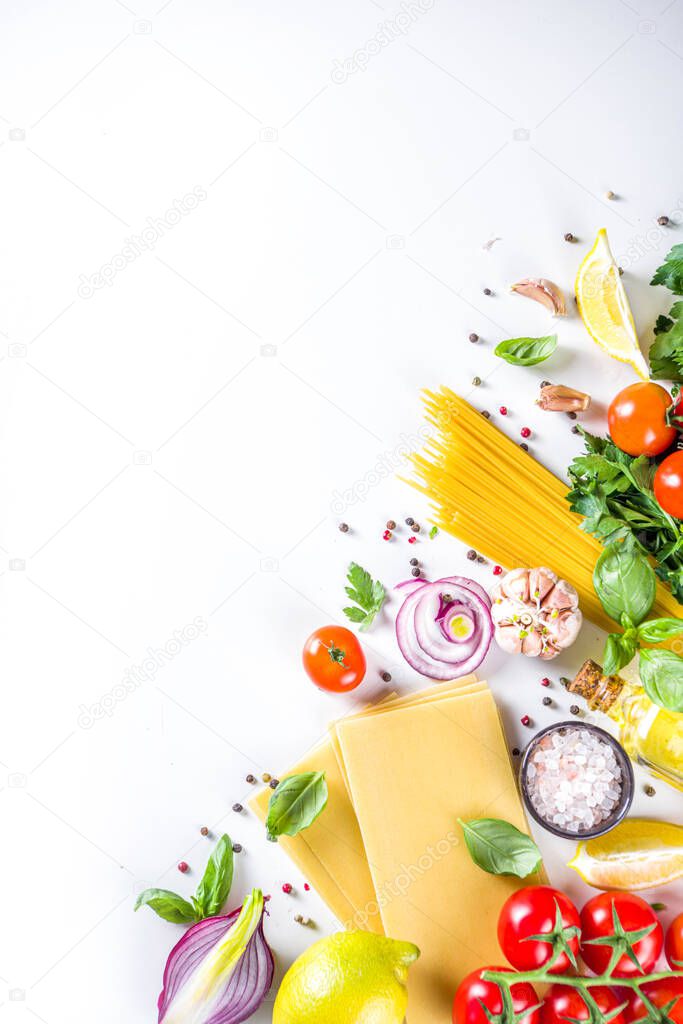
[424, 633]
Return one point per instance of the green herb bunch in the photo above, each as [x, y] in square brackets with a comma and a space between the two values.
[666, 352]
[625, 584]
[613, 493]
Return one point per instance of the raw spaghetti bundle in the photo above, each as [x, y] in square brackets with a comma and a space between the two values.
[493, 496]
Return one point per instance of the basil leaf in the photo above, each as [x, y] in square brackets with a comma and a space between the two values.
[214, 888]
[620, 649]
[624, 581]
[501, 849]
[661, 673]
[655, 631]
[526, 351]
[168, 905]
[296, 803]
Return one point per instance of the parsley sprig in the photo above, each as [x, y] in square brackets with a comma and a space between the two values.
[368, 595]
[666, 352]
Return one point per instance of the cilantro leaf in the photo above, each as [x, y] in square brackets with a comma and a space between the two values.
[369, 594]
[670, 274]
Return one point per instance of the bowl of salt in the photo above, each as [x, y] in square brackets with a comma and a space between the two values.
[576, 780]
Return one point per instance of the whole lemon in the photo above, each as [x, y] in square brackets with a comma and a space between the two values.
[347, 978]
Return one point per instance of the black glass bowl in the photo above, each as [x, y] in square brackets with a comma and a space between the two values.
[627, 782]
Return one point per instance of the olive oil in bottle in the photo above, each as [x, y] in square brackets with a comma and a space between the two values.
[650, 735]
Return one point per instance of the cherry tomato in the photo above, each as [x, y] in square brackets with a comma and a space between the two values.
[467, 1008]
[334, 659]
[668, 485]
[562, 1001]
[637, 419]
[660, 993]
[533, 911]
[673, 944]
[634, 913]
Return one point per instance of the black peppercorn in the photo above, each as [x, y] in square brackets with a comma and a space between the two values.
[524, 447]
[274, 783]
[386, 676]
[204, 830]
[344, 527]
[575, 709]
[415, 527]
[663, 220]
[487, 291]
[474, 338]
[481, 559]
[236, 847]
[409, 521]
[569, 237]
[415, 571]
[237, 808]
[251, 778]
[545, 383]
[391, 525]
[547, 701]
[576, 430]
[413, 561]
[472, 554]
[515, 751]
[572, 415]
[486, 414]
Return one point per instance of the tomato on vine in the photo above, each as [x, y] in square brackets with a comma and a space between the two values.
[334, 660]
[639, 419]
[673, 944]
[537, 924]
[666, 994]
[620, 932]
[473, 992]
[562, 1003]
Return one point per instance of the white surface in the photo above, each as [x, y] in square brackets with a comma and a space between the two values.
[176, 444]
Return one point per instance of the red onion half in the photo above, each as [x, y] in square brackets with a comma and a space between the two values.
[220, 971]
[444, 629]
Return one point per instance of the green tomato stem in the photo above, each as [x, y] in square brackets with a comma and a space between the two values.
[542, 976]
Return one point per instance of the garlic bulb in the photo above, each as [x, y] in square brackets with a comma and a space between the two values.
[535, 613]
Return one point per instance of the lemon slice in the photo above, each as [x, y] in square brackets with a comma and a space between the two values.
[604, 307]
[637, 854]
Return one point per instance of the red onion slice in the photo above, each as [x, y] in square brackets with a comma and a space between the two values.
[425, 633]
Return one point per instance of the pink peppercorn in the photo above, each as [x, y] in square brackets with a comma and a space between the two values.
[307, 887]
[545, 681]
[503, 410]
[286, 888]
[525, 720]
[525, 432]
[497, 570]
[411, 540]
[387, 535]
[183, 867]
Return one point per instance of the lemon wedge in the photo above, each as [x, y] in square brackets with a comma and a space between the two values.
[637, 854]
[604, 307]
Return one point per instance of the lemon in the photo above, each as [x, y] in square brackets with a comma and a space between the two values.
[604, 307]
[637, 854]
[347, 978]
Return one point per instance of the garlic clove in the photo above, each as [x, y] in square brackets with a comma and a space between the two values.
[558, 398]
[540, 289]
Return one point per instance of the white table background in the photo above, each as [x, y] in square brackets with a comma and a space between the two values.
[183, 441]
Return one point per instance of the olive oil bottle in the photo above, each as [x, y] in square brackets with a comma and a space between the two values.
[650, 735]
